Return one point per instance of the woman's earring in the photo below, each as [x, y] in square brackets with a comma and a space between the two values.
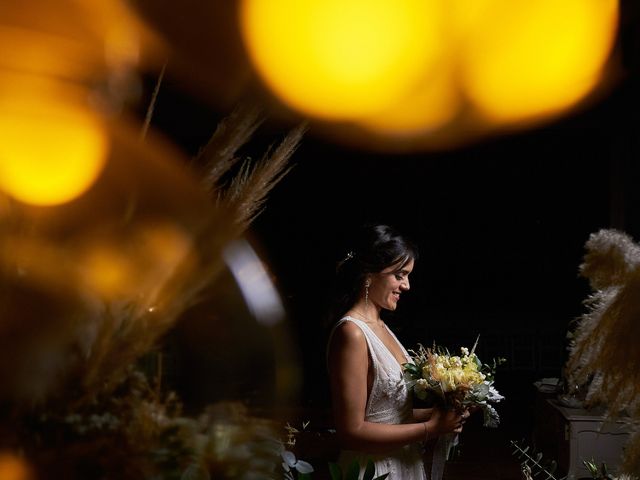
[366, 292]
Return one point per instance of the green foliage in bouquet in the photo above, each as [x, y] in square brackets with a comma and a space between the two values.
[454, 381]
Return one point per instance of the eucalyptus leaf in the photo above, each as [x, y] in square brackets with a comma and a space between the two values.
[289, 458]
[412, 368]
[303, 467]
[335, 471]
[369, 471]
[353, 472]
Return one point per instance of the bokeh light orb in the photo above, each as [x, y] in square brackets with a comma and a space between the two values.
[342, 59]
[433, 104]
[51, 149]
[528, 59]
[130, 251]
[13, 467]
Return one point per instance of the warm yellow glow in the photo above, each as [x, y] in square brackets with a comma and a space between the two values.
[72, 39]
[342, 58]
[107, 271]
[524, 59]
[13, 468]
[151, 255]
[51, 150]
[433, 105]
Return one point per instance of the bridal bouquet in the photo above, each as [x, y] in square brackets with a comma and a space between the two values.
[458, 381]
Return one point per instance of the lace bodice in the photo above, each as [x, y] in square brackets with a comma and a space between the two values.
[389, 402]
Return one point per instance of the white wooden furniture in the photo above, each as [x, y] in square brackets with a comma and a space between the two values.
[572, 435]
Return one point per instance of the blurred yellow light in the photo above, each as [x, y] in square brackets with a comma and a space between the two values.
[524, 59]
[342, 59]
[80, 40]
[430, 107]
[13, 468]
[51, 151]
[107, 271]
[144, 264]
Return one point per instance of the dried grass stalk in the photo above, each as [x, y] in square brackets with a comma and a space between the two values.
[248, 192]
[218, 156]
[605, 344]
[80, 345]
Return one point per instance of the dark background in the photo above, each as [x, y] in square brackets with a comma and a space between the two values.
[500, 223]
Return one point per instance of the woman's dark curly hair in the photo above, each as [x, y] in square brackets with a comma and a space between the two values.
[373, 249]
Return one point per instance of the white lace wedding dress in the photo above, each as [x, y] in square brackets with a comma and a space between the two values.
[389, 402]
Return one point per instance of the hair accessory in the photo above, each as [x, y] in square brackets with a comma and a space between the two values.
[349, 256]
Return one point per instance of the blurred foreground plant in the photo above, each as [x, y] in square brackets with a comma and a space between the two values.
[97, 266]
[133, 433]
[84, 298]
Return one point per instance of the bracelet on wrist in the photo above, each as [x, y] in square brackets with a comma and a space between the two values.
[426, 432]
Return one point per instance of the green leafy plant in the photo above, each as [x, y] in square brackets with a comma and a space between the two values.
[532, 463]
[353, 471]
[598, 473]
[290, 464]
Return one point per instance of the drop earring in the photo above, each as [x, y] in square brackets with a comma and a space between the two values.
[366, 292]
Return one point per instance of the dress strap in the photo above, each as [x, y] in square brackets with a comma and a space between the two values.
[365, 332]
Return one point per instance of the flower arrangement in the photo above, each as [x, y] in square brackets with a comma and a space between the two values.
[455, 381]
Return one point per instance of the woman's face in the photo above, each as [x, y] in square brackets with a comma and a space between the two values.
[387, 285]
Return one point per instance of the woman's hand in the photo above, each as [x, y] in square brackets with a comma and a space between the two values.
[446, 421]
[466, 413]
[473, 408]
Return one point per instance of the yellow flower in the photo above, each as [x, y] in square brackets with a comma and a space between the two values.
[448, 382]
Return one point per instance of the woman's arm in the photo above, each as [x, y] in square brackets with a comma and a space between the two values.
[422, 414]
[348, 367]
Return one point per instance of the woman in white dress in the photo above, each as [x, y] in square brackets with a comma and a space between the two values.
[372, 406]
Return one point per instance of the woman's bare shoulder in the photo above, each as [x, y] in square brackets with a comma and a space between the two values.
[348, 344]
[348, 332]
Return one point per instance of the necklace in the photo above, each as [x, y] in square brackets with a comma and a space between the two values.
[366, 320]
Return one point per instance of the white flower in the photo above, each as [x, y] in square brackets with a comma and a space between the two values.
[493, 395]
[491, 418]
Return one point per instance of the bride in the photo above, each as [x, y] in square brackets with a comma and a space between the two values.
[372, 406]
